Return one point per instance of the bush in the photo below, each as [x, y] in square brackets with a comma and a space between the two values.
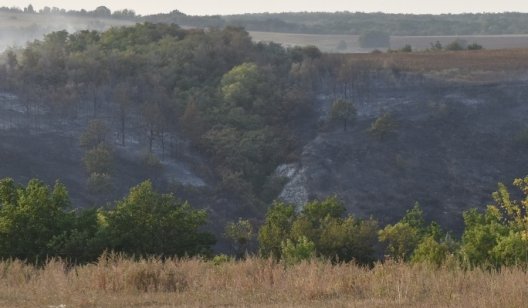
[95, 134]
[383, 126]
[406, 48]
[374, 39]
[474, 46]
[456, 45]
[296, 252]
[99, 160]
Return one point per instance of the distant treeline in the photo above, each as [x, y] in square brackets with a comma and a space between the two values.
[354, 23]
[358, 23]
[101, 12]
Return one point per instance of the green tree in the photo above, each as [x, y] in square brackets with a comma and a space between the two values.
[405, 237]
[276, 228]
[298, 251]
[401, 240]
[148, 223]
[99, 160]
[343, 111]
[96, 133]
[30, 217]
[241, 234]
[499, 236]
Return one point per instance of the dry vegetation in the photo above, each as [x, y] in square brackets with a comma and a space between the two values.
[329, 42]
[483, 60]
[118, 282]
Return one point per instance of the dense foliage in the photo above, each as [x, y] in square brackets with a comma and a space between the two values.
[321, 229]
[235, 100]
[37, 222]
[358, 23]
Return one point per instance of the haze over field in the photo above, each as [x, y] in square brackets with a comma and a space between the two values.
[213, 7]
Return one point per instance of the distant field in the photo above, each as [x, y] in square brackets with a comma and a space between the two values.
[330, 43]
[480, 60]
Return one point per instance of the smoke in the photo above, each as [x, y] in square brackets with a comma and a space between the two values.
[16, 29]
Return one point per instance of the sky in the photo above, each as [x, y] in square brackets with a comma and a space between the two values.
[212, 7]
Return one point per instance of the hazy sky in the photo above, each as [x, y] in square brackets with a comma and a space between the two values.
[208, 7]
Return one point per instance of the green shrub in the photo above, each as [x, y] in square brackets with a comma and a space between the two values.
[296, 252]
[383, 126]
[99, 159]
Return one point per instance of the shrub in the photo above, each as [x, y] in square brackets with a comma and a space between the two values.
[406, 48]
[296, 252]
[474, 46]
[383, 126]
[99, 159]
[95, 134]
[374, 39]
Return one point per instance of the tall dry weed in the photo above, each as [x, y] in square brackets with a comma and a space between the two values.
[116, 281]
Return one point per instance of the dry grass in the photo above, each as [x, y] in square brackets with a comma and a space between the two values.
[483, 60]
[329, 42]
[118, 282]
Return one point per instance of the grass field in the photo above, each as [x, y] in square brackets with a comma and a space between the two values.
[329, 43]
[482, 60]
[118, 282]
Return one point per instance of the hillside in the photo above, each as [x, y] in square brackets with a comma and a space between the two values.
[457, 128]
[231, 125]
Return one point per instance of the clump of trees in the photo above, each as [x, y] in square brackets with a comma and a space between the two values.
[38, 222]
[456, 45]
[234, 99]
[321, 229]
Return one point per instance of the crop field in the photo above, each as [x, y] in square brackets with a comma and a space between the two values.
[330, 43]
[120, 282]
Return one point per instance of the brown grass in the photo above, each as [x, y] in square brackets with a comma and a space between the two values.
[119, 282]
[483, 60]
[329, 42]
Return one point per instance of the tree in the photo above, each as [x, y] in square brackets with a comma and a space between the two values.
[401, 240]
[321, 224]
[499, 236]
[343, 111]
[298, 251]
[96, 133]
[276, 228]
[123, 94]
[99, 160]
[148, 223]
[410, 236]
[240, 85]
[241, 234]
[30, 217]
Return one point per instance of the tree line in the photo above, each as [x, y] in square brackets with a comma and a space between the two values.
[38, 222]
